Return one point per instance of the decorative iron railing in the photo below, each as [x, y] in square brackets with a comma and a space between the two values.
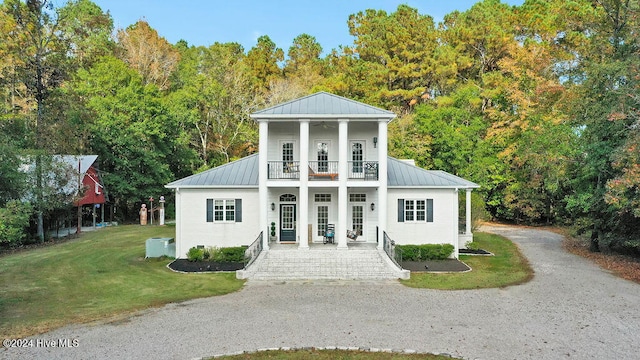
[283, 170]
[365, 170]
[389, 247]
[252, 252]
[322, 170]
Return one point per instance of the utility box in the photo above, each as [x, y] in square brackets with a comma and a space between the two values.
[157, 247]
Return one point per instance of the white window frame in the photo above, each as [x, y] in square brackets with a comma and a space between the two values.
[415, 211]
[224, 210]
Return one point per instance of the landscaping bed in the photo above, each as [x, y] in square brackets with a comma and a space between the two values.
[473, 252]
[185, 265]
[448, 265]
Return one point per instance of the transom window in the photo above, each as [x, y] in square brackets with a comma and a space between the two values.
[322, 197]
[287, 198]
[357, 197]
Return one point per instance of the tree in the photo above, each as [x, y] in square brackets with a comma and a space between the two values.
[397, 49]
[213, 103]
[39, 52]
[88, 30]
[262, 61]
[148, 53]
[604, 79]
[132, 132]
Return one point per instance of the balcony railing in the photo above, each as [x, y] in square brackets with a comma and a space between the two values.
[363, 170]
[283, 170]
[322, 170]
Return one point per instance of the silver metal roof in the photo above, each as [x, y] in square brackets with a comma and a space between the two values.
[244, 173]
[239, 173]
[323, 105]
[402, 174]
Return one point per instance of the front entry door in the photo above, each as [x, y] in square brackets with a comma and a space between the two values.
[287, 222]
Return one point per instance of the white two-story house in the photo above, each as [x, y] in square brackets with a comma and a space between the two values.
[322, 162]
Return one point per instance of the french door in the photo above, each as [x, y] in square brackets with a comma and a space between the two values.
[287, 222]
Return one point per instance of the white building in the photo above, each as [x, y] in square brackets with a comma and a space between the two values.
[322, 160]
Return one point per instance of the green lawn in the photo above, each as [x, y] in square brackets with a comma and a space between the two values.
[101, 274]
[507, 267]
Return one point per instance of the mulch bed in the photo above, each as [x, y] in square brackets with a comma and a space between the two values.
[449, 265]
[473, 252]
[185, 265]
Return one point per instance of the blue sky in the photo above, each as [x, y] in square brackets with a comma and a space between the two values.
[204, 22]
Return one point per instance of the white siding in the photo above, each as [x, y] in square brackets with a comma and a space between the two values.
[443, 229]
[193, 228]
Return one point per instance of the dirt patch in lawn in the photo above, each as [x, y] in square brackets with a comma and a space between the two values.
[185, 265]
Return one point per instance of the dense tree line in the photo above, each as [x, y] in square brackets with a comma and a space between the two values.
[537, 103]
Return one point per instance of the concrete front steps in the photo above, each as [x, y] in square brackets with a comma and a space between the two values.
[329, 264]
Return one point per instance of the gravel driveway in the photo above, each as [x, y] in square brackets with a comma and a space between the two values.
[571, 309]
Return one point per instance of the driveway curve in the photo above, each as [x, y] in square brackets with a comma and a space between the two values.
[571, 309]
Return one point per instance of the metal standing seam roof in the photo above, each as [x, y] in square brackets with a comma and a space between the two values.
[244, 173]
[322, 105]
[239, 173]
[401, 174]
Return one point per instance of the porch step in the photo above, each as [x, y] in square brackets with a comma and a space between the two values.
[294, 264]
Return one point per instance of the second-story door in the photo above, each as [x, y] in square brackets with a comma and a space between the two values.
[356, 161]
[323, 156]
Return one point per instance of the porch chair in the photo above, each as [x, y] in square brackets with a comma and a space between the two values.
[329, 234]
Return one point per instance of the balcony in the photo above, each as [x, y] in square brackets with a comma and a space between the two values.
[322, 170]
[363, 170]
[283, 170]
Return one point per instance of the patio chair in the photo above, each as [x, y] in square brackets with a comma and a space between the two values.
[329, 234]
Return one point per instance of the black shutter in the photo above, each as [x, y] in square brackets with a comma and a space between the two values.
[209, 210]
[429, 210]
[400, 210]
[238, 210]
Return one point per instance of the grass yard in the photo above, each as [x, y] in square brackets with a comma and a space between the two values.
[507, 267]
[101, 274]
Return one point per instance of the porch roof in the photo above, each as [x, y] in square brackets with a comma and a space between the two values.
[323, 105]
[244, 173]
[239, 173]
[402, 174]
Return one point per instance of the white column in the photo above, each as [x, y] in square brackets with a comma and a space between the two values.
[263, 191]
[455, 216]
[303, 196]
[382, 181]
[178, 239]
[468, 213]
[343, 150]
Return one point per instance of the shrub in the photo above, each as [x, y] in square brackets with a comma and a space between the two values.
[195, 254]
[425, 252]
[228, 254]
[14, 218]
[472, 245]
